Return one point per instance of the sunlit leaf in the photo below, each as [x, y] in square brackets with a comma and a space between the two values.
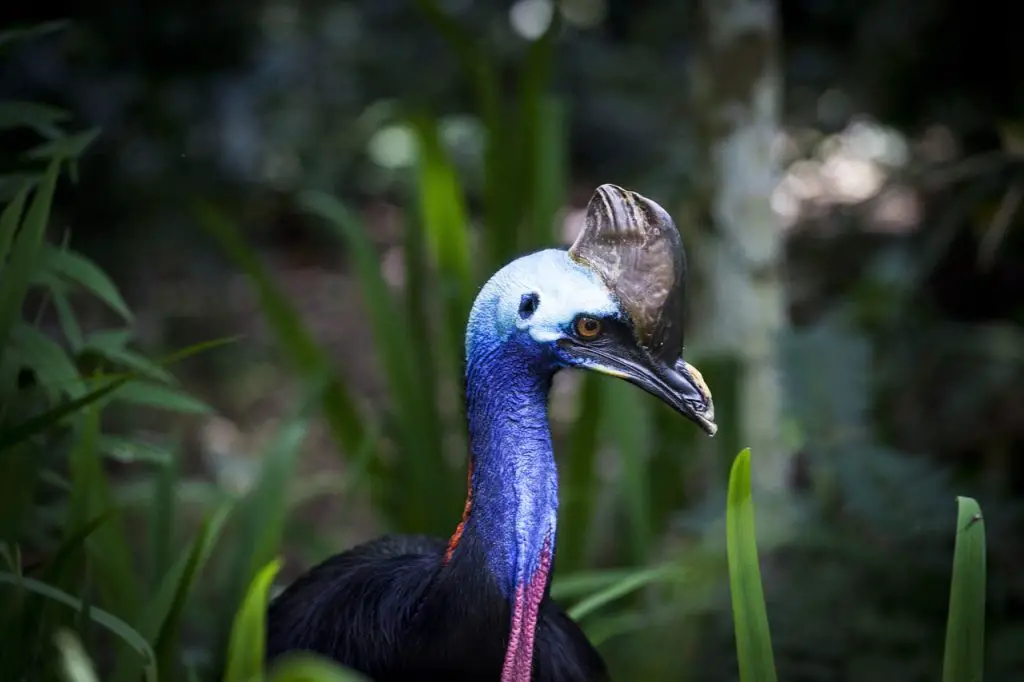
[246, 650]
[76, 666]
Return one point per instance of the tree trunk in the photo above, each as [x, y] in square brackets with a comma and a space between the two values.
[737, 92]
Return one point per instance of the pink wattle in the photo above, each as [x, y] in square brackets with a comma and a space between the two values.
[519, 655]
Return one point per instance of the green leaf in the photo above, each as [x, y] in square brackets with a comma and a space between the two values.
[133, 451]
[965, 629]
[19, 475]
[161, 617]
[69, 147]
[344, 418]
[76, 666]
[246, 650]
[148, 394]
[118, 627]
[265, 508]
[78, 269]
[108, 547]
[25, 253]
[427, 475]
[631, 433]
[750, 618]
[310, 668]
[40, 117]
[580, 482]
[9, 221]
[632, 582]
[41, 422]
[11, 36]
[54, 370]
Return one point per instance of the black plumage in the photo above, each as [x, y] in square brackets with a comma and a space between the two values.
[395, 610]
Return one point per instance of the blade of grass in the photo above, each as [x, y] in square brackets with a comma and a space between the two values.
[25, 253]
[630, 431]
[429, 496]
[750, 618]
[247, 647]
[965, 629]
[76, 665]
[445, 222]
[108, 547]
[107, 620]
[41, 422]
[161, 617]
[77, 268]
[9, 221]
[636, 580]
[580, 485]
[344, 418]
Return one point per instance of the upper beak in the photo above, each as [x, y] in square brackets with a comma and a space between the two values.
[681, 386]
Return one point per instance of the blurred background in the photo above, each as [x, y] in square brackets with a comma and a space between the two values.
[306, 195]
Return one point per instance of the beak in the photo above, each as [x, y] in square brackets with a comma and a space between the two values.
[680, 386]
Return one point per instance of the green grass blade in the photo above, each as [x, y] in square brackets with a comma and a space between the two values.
[445, 220]
[634, 581]
[76, 666]
[19, 476]
[631, 433]
[41, 422]
[429, 497]
[108, 547]
[965, 629]
[9, 221]
[247, 647]
[107, 620]
[580, 483]
[24, 255]
[54, 370]
[77, 268]
[344, 418]
[550, 170]
[161, 618]
[310, 668]
[750, 618]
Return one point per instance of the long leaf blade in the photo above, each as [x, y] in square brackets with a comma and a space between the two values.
[965, 629]
[750, 618]
[247, 648]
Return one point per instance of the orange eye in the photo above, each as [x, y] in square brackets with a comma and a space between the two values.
[588, 327]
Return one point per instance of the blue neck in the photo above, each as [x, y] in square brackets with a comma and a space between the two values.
[514, 482]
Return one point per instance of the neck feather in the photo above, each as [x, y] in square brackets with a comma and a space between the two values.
[512, 507]
[513, 488]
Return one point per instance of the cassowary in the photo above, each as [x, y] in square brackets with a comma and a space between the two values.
[475, 607]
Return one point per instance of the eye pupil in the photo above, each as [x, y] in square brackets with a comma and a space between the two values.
[588, 327]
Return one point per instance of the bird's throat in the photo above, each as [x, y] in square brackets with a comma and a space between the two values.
[511, 511]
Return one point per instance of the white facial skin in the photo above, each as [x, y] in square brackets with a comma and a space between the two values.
[564, 290]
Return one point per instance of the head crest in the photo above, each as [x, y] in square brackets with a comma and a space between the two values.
[633, 244]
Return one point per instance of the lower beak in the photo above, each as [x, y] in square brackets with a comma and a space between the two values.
[680, 386]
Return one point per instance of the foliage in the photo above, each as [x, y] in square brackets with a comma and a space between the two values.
[111, 546]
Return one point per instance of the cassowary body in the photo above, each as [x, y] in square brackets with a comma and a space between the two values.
[476, 607]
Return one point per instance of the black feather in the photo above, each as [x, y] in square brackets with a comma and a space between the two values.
[395, 611]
